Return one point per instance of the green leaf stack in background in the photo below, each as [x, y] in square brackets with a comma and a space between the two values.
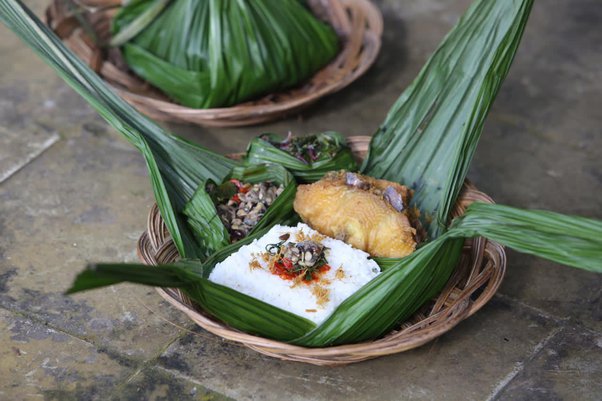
[216, 53]
[427, 142]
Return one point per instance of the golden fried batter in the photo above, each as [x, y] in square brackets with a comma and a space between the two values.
[366, 213]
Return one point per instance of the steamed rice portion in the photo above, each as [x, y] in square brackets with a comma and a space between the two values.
[247, 272]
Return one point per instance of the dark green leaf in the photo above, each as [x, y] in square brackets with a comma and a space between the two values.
[429, 136]
[101, 275]
[231, 307]
[208, 228]
[215, 53]
[257, 173]
[249, 314]
[390, 298]
[221, 193]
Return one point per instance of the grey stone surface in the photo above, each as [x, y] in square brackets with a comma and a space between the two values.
[40, 363]
[71, 206]
[569, 368]
[85, 199]
[20, 146]
[159, 384]
[479, 354]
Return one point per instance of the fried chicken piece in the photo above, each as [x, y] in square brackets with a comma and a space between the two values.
[367, 213]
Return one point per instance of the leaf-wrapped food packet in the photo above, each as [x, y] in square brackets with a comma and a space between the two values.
[215, 53]
[413, 145]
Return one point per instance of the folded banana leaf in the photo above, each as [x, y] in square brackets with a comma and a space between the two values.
[239, 310]
[432, 130]
[308, 158]
[215, 53]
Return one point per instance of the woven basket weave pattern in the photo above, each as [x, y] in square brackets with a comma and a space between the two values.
[358, 24]
[475, 280]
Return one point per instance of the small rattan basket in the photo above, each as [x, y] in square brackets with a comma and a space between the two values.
[358, 24]
[475, 280]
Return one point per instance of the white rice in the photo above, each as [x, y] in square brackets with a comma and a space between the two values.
[235, 272]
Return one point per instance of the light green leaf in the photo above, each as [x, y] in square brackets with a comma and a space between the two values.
[570, 240]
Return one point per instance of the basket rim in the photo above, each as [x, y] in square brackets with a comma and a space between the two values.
[359, 25]
[154, 245]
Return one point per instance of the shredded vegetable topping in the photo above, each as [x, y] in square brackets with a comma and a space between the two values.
[298, 261]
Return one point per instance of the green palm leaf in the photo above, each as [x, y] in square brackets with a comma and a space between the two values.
[241, 311]
[390, 298]
[570, 240]
[430, 134]
[207, 227]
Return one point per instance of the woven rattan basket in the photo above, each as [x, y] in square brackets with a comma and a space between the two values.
[475, 280]
[357, 22]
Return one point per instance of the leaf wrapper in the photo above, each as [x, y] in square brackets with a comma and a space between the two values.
[390, 298]
[176, 167]
[215, 53]
[427, 141]
[338, 156]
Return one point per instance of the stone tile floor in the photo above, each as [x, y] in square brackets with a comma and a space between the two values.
[71, 191]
